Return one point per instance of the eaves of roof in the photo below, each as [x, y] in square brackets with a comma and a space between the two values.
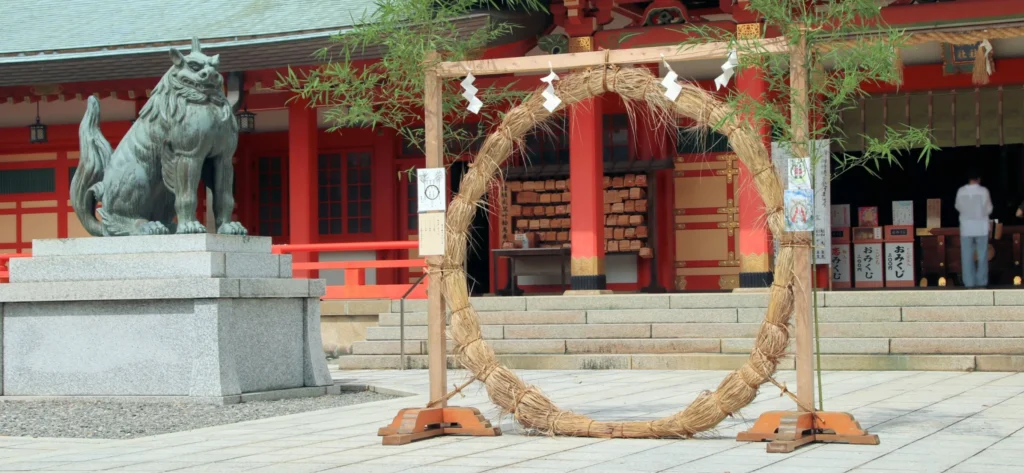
[236, 55]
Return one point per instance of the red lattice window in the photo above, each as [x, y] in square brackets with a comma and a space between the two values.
[344, 193]
[359, 218]
[550, 145]
[616, 138]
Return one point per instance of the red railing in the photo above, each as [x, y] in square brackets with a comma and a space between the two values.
[355, 286]
[5, 272]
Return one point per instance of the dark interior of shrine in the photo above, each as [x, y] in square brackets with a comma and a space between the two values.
[1001, 167]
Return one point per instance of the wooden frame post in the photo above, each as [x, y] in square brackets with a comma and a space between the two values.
[788, 431]
[437, 418]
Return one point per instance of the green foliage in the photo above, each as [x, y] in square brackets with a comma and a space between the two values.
[848, 46]
[389, 92]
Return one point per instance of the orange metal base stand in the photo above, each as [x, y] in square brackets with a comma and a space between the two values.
[788, 431]
[415, 424]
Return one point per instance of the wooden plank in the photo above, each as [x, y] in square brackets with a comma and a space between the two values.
[544, 63]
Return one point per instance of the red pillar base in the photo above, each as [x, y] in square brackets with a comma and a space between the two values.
[411, 425]
[788, 431]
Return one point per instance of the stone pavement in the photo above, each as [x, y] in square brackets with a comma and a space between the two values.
[927, 421]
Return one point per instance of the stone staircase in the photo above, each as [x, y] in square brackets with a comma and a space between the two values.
[942, 330]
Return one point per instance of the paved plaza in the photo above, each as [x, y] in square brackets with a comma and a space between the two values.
[927, 421]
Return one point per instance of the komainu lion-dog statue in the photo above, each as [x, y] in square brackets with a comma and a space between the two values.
[149, 184]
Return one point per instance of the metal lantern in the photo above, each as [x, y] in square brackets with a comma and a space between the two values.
[37, 130]
[246, 121]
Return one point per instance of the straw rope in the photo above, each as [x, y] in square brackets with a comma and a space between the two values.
[951, 37]
[526, 404]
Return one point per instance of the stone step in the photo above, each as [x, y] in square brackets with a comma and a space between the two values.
[743, 315]
[870, 330]
[419, 347]
[714, 361]
[420, 332]
[834, 299]
[976, 346]
[738, 346]
[496, 318]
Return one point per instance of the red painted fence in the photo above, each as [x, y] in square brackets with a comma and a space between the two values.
[355, 271]
[355, 286]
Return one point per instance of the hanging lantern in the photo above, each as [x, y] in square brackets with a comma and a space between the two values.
[37, 130]
[246, 121]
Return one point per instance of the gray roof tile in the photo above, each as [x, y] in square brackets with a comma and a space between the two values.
[53, 25]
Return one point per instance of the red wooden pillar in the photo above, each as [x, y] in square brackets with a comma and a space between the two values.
[385, 184]
[586, 180]
[62, 177]
[302, 182]
[754, 238]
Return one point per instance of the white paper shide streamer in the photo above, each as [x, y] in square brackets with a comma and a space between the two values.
[728, 69]
[470, 94]
[672, 88]
[552, 101]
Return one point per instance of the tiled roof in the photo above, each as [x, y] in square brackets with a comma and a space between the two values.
[70, 25]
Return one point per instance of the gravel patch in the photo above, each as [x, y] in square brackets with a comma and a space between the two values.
[126, 419]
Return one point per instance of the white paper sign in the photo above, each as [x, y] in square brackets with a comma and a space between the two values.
[867, 263]
[899, 261]
[431, 234]
[822, 200]
[430, 187]
[841, 265]
[902, 212]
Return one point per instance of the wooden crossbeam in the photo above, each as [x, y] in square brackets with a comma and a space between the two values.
[675, 53]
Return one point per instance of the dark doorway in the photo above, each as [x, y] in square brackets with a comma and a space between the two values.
[1001, 167]
[478, 253]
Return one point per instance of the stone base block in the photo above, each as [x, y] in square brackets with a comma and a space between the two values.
[221, 319]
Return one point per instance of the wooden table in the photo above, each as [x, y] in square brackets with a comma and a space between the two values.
[940, 254]
[562, 254]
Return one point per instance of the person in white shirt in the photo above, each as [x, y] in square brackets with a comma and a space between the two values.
[975, 205]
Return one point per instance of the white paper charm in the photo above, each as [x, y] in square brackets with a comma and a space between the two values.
[672, 88]
[552, 101]
[430, 190]
[727, 70]
[470, 94]
[799, 207]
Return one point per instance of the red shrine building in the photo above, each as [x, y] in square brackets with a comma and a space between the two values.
[679, 214]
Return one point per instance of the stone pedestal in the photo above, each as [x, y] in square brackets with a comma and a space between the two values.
[202, 317]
